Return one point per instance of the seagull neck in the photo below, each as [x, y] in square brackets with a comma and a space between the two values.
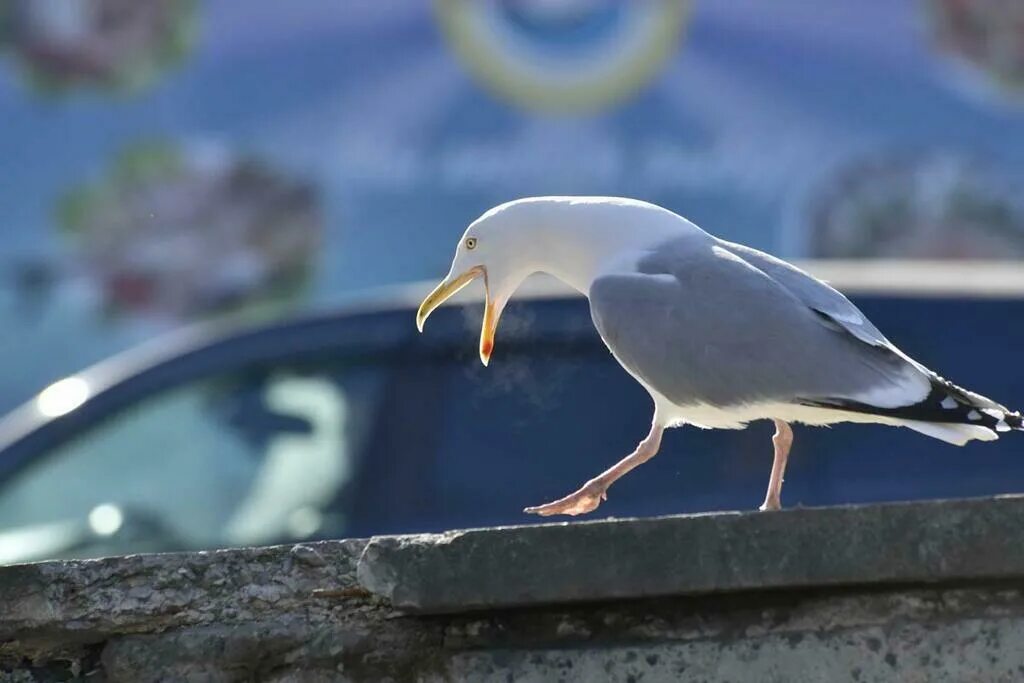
[578, 252]
[577, 265]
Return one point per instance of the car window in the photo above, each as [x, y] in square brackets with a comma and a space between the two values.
[255, 457]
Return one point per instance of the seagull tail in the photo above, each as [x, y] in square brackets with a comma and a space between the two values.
[951, 406]
[949, 412]
[980, 411]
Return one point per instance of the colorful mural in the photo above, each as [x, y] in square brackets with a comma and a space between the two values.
[180, 231]
[109, 44]
[350, 146]
[928, 206]
[985, 37]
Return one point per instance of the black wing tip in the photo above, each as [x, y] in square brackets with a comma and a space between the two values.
[946, 403]
[994, 416]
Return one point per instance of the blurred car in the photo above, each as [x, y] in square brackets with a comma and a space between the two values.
[349, 423]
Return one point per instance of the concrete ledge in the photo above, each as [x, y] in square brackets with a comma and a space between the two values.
[921, 542]
[923, 591]
[53, 601]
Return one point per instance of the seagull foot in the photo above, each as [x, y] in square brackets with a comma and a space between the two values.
[579, 503]
[770, 505]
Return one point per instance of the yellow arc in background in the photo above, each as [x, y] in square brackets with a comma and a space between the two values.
[498, 70]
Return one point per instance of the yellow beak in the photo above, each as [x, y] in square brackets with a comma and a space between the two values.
[446, 290]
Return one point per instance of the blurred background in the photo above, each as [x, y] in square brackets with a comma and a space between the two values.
[192, 189]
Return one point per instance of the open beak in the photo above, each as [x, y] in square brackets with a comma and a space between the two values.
[446, 290]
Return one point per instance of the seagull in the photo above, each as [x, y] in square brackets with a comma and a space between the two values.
[719, 334]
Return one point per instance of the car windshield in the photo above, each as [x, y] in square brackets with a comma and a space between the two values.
[248, 458]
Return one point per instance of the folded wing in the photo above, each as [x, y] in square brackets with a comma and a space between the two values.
[706, 322]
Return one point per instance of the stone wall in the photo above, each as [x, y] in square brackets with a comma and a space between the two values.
[912, 592]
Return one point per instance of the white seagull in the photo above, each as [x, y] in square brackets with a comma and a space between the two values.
[719, 334]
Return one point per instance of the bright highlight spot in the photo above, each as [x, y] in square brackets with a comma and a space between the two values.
[106, 519]
[63, 396]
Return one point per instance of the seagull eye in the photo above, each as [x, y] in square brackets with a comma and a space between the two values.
[470, 243]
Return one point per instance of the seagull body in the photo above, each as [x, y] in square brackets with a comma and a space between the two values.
[718, 333]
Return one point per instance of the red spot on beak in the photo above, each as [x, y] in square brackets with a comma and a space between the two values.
[490, 325]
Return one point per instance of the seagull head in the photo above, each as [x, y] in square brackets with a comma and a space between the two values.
[497, 250]
[571, 238]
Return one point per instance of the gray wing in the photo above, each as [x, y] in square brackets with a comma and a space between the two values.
[701, 324]
[813, 292]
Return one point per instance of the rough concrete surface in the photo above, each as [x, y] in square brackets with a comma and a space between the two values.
[692, 554]
[912, 592]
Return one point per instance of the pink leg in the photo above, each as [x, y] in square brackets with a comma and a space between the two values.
[782, 440]
[590, 495]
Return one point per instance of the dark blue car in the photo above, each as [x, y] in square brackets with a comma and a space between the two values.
[349, 423]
